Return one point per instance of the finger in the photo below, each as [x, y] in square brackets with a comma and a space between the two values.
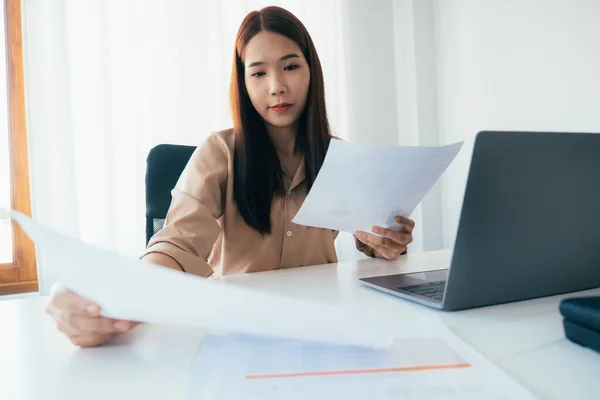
[83, 315]
[66, 299]
[406, 229]
[390, 249]
[386, 252]
[93, 340]
[95, 324]
[400, 237]
[75, 304]
[68, 330]
[408, 224]
[378, 240]
[86, 338]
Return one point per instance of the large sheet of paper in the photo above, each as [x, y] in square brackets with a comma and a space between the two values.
[427, 361]
[358, 187]
[134, 290]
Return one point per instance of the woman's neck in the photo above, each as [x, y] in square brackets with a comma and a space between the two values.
[284, 139]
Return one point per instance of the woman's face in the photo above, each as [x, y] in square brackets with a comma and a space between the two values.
[277, 78]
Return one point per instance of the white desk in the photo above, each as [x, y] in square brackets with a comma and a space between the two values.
[152, 362]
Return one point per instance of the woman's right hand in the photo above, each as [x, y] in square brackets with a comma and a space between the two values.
[80, 320]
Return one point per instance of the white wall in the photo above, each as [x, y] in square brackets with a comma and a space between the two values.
[434, 72]
[512, 65]
[369, 40]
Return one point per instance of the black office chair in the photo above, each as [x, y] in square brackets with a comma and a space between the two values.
[164, 165]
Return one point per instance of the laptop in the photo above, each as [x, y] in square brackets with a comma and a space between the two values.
[529, 225]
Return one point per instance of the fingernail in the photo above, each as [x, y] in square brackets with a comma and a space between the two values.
[91, 309]
[398, 219]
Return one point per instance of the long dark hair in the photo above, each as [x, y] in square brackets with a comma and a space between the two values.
[257, 171]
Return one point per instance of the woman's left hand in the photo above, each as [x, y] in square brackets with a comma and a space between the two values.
[390, 244]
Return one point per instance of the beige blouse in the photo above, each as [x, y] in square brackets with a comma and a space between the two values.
[204, 231]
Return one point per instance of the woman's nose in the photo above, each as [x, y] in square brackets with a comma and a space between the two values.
[277, 86]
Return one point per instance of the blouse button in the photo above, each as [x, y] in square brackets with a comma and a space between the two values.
[289, 233]
[289, 193]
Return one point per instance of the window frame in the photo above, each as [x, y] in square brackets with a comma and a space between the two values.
[20, 276]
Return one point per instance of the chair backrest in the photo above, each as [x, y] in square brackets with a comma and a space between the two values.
[164, 165]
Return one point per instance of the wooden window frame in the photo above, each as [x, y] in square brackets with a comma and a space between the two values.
[21, 275]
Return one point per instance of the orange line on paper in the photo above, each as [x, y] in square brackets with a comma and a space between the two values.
[359, 371]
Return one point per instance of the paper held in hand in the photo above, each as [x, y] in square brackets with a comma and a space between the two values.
[360, 186]
[134, 290]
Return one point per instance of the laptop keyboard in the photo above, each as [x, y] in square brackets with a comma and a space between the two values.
[432, 290]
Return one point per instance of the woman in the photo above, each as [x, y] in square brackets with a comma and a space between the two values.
[233, 205]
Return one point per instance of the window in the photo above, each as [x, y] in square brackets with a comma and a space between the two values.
[17, 254]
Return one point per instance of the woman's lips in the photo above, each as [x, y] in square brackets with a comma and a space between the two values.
[280, 108]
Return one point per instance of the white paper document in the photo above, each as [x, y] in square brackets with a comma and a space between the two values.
[425, 362]
[358, 187]
[139, 291]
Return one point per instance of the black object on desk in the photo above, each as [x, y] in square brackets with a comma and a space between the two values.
[581, 320]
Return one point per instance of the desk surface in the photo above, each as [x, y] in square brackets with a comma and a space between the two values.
[152, 362]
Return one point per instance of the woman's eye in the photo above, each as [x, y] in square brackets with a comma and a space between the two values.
[258, 74]
[291, 67]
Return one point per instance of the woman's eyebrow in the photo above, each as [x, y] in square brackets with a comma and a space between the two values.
[286, 57]
[291, 55]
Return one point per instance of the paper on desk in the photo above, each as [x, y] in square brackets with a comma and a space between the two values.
[427, 361]
[134, 290]
[358, 187]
